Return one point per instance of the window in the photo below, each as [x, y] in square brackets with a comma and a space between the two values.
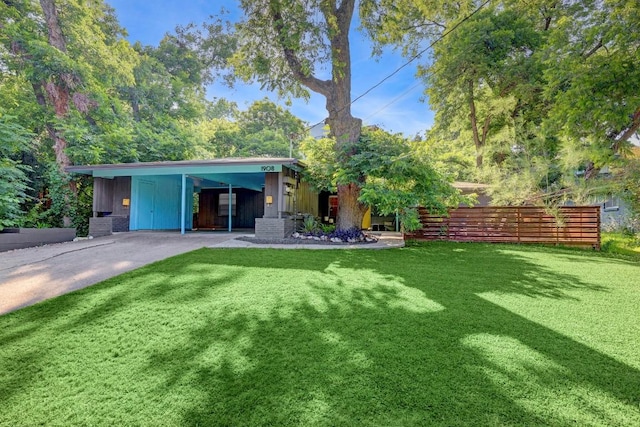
[333, 206]
[223, 204]
[612, 203]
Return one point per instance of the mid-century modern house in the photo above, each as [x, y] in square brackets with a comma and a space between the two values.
[227, 194]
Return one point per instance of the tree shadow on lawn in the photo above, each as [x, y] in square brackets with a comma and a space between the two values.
[396, 337]
[390, 339]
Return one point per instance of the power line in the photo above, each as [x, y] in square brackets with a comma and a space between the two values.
[413, 58]
[394, 100]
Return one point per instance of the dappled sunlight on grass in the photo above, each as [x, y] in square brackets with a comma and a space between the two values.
[612, 325]
[544, 387]
[343, 350]
[315, 410]
[370, 288]
[271, 292]
[237, 311]
[231, 352]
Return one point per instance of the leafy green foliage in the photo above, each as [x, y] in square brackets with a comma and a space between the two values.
[14, 140]
[398, 178]
[301, 30]
[620, 243]
[310, 225]
[540, 90]
[263, 130]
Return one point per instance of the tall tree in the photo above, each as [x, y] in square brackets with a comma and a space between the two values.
[51, 74]
[286, 46]
[72, 56]
[59, 88]
[541, 88]
[264, 114]
[13, 173]
[263, 130]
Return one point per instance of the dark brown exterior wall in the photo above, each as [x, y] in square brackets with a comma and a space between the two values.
[250, 205]
[108, 195]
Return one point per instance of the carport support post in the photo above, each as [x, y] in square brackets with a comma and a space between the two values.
[183, 203]
[280, 196]
[230, 205]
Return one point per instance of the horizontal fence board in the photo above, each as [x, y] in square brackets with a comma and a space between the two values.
[575, 225]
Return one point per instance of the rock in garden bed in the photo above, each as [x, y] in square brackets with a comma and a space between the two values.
[310, 239]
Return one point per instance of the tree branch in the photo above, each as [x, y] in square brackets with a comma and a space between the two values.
[474, 124]
[429, 23]
[345, 13]
[546, 14]
[593, 49]
[322, 87]
[485, 128]
[56, 38]
[630, 131]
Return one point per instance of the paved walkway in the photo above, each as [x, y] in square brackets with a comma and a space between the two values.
[28, 276]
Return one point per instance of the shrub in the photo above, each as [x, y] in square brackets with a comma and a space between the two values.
[310, 225]
[348, 234]
[327, 228]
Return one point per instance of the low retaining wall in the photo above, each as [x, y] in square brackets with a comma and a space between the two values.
[105, 226]
[274, 228]
[19, 238]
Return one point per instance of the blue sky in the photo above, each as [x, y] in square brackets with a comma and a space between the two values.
[395, 105]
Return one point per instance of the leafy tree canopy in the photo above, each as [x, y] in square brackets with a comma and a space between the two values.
[14, 140]
[540, 90]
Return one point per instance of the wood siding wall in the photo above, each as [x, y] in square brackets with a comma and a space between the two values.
[249, 206]
[307, 202]
[576, 226]
[108, 195]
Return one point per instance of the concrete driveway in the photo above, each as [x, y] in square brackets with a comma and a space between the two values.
[28, 276]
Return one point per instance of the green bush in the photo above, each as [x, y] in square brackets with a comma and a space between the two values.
[310, 225]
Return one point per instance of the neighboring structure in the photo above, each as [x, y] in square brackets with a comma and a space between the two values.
[227, 194]
[614, 212]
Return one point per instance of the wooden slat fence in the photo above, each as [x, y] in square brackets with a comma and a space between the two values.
[575, 225]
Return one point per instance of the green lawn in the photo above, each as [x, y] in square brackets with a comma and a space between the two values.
[438, 334]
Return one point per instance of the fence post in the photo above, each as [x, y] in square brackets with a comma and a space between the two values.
[518, 219]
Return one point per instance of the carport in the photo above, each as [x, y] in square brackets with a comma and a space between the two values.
[160, 195]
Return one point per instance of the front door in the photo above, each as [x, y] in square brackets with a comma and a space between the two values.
[146, 197]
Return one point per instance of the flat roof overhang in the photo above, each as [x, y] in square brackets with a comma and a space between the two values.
[240, 172]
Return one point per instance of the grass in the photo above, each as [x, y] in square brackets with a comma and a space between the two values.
[437, 334]
[621, 244]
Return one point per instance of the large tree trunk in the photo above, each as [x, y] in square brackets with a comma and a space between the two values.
[342, 125]
[58, 94]
[346, 131]
[57, 90]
